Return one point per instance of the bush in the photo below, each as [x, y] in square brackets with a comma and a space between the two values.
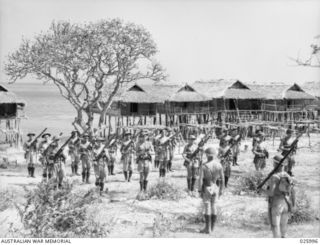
[303, 211]
[51, 212]
[6, 200]
[249, 182]
[163, 226]
[162, 190]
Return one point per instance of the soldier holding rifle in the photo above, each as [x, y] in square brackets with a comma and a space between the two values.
[144, 150]
[74, 152]
[172, 146]
[192, 156]
[164, 154]
[127, 157]
[285, 144]
[85, 157]
[112, 150]
[99, 164]
[226, 158]
[30, 147]
[43, 146]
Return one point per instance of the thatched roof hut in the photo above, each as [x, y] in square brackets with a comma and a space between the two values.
[187, 94]
[312, 88]
[226, 89]
[280, 91]
[7, 97]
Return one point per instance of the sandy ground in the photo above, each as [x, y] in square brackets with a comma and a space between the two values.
[241, 215]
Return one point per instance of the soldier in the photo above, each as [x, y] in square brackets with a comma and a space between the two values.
[164, 154]
[144, 150]
[191, 163]
[224, 133]
[210, 172]
[235, 142]
[85, 157]
[172, 146]
[48, 171]
[112, 150]
[285, 145]
[155, 143]
[99, 164]
[74, 152]
[30, 148]
[43, 147]
[260, 152]
[127, 157]
[226, 158]
[59, 165]
[281, 199]
[255, 137]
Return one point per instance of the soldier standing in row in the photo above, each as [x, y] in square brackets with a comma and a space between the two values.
[30, 148]
[144, 150]
[172, 146]
[59, 164]
[43, 149]
[49, 153]
[112, 150]
[99, 164]
[281, 199]
[285, 146]
[235, 142]
[260, 152]
[191, 162]
[163, 151]
[210, 173]
[85, 157]
[74, 152]
[127, 156]
[226, 158]
[155, 143]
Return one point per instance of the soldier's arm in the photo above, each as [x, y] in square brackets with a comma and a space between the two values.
[221, 187]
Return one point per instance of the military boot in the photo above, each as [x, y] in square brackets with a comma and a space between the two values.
[125, 173]
[189, 184]
[29, 172]
[130, 174]
[72, 169]
[141, 185]
[226, 179]
[213, 221]
[145, 185]
[112, 168]
[193, 181]
[32, 172]
[87, 177]
[207, 228]
[83, 175]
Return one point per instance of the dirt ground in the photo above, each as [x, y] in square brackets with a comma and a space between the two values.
[241, 215]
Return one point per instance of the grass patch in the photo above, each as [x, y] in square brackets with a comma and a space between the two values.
[51, 212]
[162, 190]
[248, 183]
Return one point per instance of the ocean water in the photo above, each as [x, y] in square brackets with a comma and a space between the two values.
[45, 107]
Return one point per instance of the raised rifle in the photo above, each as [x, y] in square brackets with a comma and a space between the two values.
[292, 148]
[62, 148]
[169, 139]
[79, 137]
[231, 146]
[38, 136]
[201, 144]
[134, 137]
[45, 152]
[107, 144]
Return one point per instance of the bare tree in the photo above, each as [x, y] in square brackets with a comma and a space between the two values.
[83, 59]
[314, 58]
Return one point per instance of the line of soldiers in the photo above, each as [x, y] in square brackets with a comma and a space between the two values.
[211, 175]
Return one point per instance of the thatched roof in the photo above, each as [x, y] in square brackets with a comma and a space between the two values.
[227, 89]
[7, 97]
[280, 91]
[187, 94]
[312, 88]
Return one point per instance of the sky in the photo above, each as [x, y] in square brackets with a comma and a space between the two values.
[249, 40]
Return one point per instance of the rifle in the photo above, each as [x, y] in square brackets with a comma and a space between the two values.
[38, 136]
[78, 139]
[292, 148]
[62, 148]
[107, 144]
[131, 141]
[169, 138]
[230, 148]
[201, 144]
[47, 148]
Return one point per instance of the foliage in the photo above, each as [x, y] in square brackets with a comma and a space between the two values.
[163, 226]
[52, 212]
[249, 182]
[80, 59]
[314, 58]
[303, 211]
[6, 199]
[163, 190]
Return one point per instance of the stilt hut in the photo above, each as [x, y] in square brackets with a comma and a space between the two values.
[11, 112]
[231, 100]
[284, 102]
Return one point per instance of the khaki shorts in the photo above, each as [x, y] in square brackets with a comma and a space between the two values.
[144, 166]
